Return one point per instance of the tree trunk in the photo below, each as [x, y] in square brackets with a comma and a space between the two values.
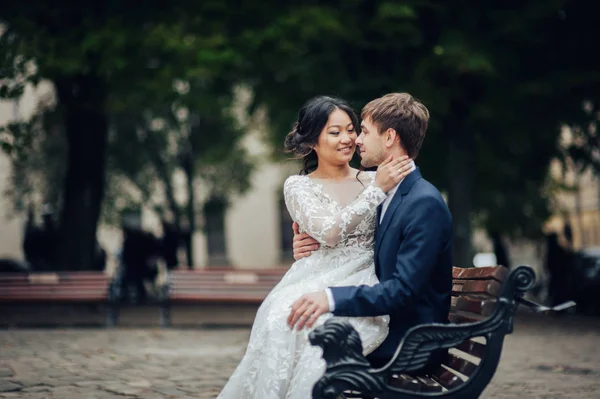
[187, 164]
[167, 177]
[86, 125]
[191, 216]
[460, 193]
[579, 209]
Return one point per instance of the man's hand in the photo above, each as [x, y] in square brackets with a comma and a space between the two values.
[307, 309]
[303, 243]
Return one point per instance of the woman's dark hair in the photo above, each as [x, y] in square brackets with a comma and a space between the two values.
[312, 118]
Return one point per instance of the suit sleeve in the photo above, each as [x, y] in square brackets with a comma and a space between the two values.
[424, 234]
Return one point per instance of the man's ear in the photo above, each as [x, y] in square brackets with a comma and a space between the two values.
[390, 137]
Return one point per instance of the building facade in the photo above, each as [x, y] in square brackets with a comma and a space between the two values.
[579, 207]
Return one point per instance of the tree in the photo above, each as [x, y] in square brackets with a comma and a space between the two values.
[205, 146]
[577, 44]
[498, 78]
[100, 56]
[145, 151]
[495, 76]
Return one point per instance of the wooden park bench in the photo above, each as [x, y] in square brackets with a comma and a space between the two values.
[484, 301]
[216, 286]
[56, 288]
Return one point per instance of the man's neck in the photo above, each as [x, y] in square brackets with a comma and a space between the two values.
[397, 152]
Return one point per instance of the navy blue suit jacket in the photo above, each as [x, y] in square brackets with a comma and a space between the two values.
[413, 260]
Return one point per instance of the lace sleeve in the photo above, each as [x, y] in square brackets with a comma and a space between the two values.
[315, 218]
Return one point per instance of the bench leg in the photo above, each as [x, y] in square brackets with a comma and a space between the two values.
[165, 315]
[112, 315]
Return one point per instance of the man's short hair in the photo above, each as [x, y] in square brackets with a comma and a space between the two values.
[403, 113]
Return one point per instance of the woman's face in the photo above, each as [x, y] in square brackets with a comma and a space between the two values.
[336, 144]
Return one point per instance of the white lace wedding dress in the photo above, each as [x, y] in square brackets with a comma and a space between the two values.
[280, 363]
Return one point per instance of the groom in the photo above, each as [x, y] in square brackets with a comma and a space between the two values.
[413, 244]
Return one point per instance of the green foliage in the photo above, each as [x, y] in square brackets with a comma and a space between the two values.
[37, 151]
[205, 147]
[584, 148]
[150, 61]
[499, 81]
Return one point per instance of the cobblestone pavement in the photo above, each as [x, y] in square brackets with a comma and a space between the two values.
[185, 363]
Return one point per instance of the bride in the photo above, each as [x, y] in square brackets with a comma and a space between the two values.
[336, 205]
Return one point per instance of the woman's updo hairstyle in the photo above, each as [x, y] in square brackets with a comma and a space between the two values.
[305, 133]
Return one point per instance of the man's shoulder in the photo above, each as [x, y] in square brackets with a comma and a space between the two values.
[424, 189]
[425, 202]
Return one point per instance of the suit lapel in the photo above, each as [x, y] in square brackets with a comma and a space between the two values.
[404, 188]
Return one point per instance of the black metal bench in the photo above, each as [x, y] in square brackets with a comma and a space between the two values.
[484, 301]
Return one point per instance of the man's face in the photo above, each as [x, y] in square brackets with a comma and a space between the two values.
[371, 144]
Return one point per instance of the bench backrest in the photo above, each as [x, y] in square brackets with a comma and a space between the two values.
[474, 295]
[55, 287]
[474, 292]
[222, 285]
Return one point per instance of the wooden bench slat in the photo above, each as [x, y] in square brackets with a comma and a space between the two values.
[471, 347]
[480, 273]
[405, 382]
[59, 283]
[219, 285]
[21, 293]
[216, 299]
[222, 285]
[19, 290]
[204, 294]
[476, 287]
[216, 295]
[62, 298]
[52, 294]
[219, 292]
[209, 276]
[460, 317]
[223, 289]
[446, 378]
[225, 270]
[204, 274]
[482, 306]
[429, 384]
[459, 364]
[55, 287]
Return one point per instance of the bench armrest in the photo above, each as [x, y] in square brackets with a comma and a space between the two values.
[539, 308]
